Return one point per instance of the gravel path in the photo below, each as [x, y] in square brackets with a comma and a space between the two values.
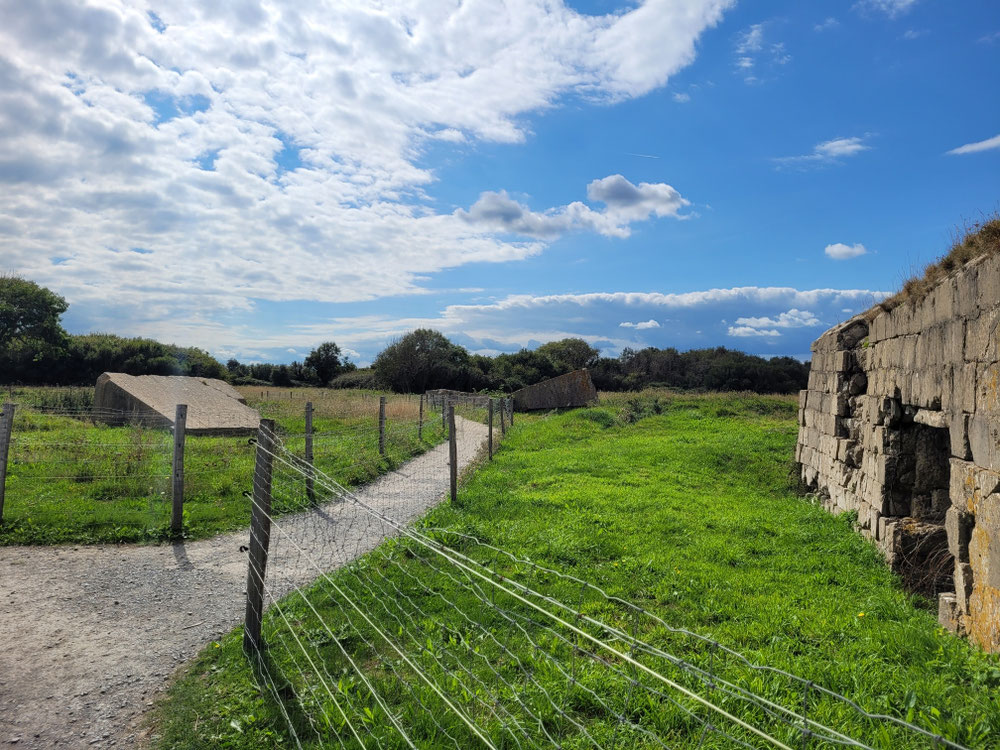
[89, 635]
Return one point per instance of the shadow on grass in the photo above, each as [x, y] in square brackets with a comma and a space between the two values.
[280, 698]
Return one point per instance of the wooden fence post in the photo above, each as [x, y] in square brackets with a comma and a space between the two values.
[444, 413]
[503, 420]
[381, 425]
[310, 479]
[260, 537]
[490, 422]
[420, 422]
[177, 512]
[453, 454]
[6, 428]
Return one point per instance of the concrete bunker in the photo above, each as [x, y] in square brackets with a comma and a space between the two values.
[214, 406]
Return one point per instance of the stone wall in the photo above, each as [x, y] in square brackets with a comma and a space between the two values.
[901, 423]
[572, 389]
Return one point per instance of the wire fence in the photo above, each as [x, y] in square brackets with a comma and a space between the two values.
[366, 630]
[73, 472]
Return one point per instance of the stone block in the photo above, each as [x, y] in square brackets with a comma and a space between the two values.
[803, 397]
[843, 360]
[962, 484]
[949, 616]
[988, 286]
[988, 389]
[954, 341]
[963, 388]
[966, 291]
[958, 432]
[964, 578]
[959, 524]
[981, 337]
[984, 440]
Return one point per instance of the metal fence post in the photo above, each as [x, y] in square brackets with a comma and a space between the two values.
[310, 478]
[260, 537]
[381, 425]
[453, 454]
[6, 427]
[490, 432]
[420, 421]
[177, 511]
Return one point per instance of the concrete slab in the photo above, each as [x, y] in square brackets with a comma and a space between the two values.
[214, 406]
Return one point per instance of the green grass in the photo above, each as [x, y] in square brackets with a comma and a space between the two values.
[70, 480]
[684, 506]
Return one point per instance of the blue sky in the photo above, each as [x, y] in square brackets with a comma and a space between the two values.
[255, 178]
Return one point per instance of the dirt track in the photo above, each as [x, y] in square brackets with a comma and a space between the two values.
[88, 635]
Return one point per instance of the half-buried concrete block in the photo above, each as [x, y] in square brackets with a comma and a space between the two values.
[214, 406]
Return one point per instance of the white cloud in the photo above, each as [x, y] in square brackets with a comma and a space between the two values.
[624, 203]
[752, 52]
[827, 24]
[682, 98]
[644, 326]
[790, 319]
[971, 148]
[751, 40]
[697, 319]
[746, 331]
[827, 152]
[840, 251]
[911, 34]
[275, 153]
[891, 8]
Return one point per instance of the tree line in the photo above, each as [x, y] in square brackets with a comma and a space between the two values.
[35, 349]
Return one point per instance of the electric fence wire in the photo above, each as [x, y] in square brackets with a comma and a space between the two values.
[399, 606]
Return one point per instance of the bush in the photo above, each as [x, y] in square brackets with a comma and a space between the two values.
[364, 379]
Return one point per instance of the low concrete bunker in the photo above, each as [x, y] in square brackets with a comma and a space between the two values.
[901, 423]
[214, 406]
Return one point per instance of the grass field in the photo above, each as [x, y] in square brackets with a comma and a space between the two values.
[71, 480]
[683, 505]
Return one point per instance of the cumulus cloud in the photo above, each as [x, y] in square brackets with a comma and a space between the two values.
[697, 319]
[624, 203]
[644, 326]
[271, 153]
[827, 152]
[971, 148]
[840, 251]
[790, 319]
[745, 331]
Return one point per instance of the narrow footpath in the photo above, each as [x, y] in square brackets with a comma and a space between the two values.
[90, 635]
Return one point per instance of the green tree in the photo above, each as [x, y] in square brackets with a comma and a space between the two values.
[31, 338]
[424, 359]
[325, 360]
[29, 312]
[569, 354]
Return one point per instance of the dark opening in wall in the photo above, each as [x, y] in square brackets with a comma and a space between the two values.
[917, 477]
